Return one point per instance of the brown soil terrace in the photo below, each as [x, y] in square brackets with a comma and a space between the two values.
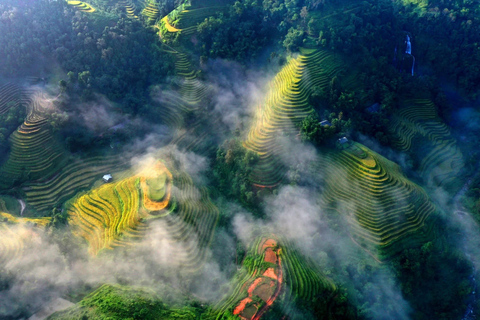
[276, 278]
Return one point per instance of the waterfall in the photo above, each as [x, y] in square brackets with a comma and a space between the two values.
[408, 50]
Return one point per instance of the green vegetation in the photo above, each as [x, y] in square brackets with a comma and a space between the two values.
[120, 302]
[233, 166]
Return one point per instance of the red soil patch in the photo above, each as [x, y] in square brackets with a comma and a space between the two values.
[272, 299]
[269, 243]
[241, 306]
[270, 273]
[254, 285]
[270, 256]
[263, 187]
[265, 289]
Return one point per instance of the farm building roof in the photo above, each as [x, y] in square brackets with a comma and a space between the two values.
[343, 140]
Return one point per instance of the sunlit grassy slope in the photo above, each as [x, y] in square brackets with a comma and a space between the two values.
[285, 105]
[384, 211]
[120, 214]
[272, 273]
[418, 129]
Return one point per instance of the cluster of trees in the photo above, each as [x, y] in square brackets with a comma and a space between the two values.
[244, 30]
[311, 130]
[233, 166]
[10, 120]
[101, 53]
[98, 53]
[435, 278]
[447, 38]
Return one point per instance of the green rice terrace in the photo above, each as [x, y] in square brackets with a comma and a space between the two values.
[418, 129]
[239, 160]
[10, 97]
[271, 274]
[385, 212]
[119, 214]
[35, 151]
[286, 104]
[151, 12]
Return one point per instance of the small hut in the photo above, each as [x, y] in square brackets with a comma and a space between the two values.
[343, 140]
[325, 123]
[107, 178]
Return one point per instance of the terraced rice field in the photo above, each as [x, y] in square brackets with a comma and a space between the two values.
[285, 105]
[188, 98]
[119, 214]
[81, 6]
[151, 12]
[15, 234]
[76, 176]
[10, 97]
[186, 17]
[129, 7]
[272, 272]
[385, 212]
[189, 229]
[114, 212]
[35, 153]
[418, 129]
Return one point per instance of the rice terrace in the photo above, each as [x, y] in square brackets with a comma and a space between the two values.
[224, 159]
